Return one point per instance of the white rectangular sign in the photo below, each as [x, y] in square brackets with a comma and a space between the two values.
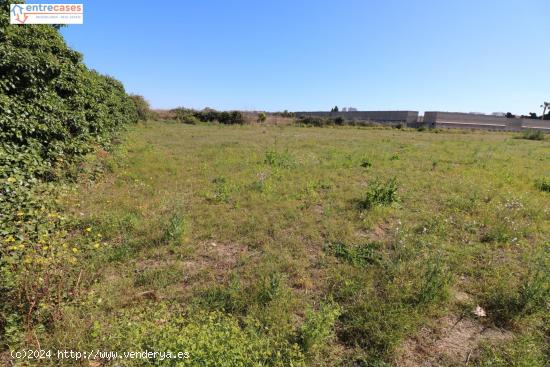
[46, 13]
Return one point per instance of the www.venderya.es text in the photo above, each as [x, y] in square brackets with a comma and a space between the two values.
[96, 354]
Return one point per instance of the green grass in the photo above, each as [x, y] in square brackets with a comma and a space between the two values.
[255, 232]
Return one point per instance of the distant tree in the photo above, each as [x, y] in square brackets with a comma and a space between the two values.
[335, 109]
[533, 115]
[262, 117]
[285, 113]
[545, 116]
[509, 115]
[339, 120]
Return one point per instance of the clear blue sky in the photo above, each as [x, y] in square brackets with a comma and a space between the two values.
[451, 55]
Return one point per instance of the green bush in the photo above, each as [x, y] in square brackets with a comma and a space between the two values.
[366, 162]
[175, 228]
[262, 117]
[208, 115]
[142, 107]
[53, 111]
[189, 119]
[359, 255]
[222, 190]
[313, 121]
[380, 193]
[279, 159]
[433, 286]
[543, 184]
[318, 327]
[185, 116]
[531, 134]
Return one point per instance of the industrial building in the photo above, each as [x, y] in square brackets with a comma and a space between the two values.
[436, 119]
[457, 120]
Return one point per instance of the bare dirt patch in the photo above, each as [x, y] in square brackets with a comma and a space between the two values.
[220, 257]
[455, 340]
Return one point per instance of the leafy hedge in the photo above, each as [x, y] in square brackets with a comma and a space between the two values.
[208, 115]
[53, 110]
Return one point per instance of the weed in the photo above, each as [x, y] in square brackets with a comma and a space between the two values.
[262, 184]
[543, 184]
[258, 285]
[434, 285]
[374, 325]
[380, 193]
[222, 190]
[359, 255]
[278, 159]
[270, 288]
[366, 162]
[509, 299]
[318, 326]
[175, 229]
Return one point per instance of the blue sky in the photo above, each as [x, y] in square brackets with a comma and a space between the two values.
[451, 55]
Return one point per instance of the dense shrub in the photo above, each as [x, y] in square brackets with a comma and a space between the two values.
[313, 121]
[339, 120]
[327, 121]
[208, 115]
[531, 134]
[285, 114]
[53, 110]
[262, 117]
[142, 107]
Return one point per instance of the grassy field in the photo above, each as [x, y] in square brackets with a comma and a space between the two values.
[263, 245]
